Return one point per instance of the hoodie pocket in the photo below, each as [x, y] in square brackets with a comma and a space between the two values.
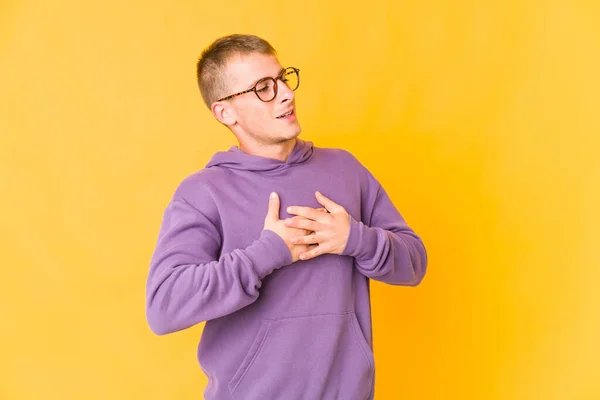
[312, 357]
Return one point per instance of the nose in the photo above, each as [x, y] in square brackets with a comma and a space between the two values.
[284, 93]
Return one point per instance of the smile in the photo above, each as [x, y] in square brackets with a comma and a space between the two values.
[287, 114]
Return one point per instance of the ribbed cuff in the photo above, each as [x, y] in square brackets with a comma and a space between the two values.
[362, 242]
[268, 253]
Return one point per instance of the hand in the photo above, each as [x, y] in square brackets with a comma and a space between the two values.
[330, 231]
[273, 223]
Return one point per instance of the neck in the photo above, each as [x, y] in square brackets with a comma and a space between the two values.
[280, 151]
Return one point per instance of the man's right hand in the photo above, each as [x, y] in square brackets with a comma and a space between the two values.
[273, 223]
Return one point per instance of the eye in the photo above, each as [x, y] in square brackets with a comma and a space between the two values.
[263, 86]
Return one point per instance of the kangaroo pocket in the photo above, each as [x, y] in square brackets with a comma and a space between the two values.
[312, 357]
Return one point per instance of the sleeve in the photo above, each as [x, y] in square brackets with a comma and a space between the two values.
[384, 247]
[189, 282]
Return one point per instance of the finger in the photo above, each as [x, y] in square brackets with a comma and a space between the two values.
[273, 212]
[329, 204]
[302, 223]
[311, 247]
[322, 210]
[302, 232]
[298, 218]
[308, 239]
[315, 252]
[306, 212]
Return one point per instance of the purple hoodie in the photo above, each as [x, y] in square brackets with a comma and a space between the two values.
[277, 330]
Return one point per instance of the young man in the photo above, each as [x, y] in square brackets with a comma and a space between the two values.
[273, 244]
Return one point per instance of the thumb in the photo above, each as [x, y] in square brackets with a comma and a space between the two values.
[273, 213]
[330, 205]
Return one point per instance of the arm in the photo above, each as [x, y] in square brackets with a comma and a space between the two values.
[189, 283]
[385, 248]
[382, 244]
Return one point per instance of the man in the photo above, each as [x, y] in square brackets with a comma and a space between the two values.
[285, 297]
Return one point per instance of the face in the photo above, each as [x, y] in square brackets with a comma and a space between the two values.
[247, 116]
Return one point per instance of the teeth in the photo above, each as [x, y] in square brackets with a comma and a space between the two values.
[285, 115]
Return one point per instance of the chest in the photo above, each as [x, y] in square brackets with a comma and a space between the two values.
[244, 208]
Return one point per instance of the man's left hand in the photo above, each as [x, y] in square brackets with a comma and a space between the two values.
[330, 231]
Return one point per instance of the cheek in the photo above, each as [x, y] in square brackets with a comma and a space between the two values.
[257, 115]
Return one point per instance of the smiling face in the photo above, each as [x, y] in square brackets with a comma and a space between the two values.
[253, 121]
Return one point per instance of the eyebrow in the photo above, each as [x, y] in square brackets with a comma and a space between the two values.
[252, 85]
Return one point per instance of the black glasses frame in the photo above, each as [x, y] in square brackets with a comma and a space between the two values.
[279, 77]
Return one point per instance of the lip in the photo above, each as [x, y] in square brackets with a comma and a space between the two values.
[285, 112]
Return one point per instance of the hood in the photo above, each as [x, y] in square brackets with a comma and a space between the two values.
[235, 158]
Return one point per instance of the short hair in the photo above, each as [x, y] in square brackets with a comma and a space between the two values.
[211, 63]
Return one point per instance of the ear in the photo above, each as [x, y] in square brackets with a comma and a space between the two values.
[223, 112]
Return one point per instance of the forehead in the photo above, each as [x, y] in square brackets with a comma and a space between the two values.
[242, 71]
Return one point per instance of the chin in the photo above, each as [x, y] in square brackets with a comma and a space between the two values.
[295, 132]
[287, 136]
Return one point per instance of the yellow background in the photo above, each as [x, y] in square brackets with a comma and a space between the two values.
[481, 118]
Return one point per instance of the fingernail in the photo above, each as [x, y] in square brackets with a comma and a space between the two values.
[289, 209]
[273, 195]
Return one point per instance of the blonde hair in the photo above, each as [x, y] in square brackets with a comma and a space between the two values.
[211, 64]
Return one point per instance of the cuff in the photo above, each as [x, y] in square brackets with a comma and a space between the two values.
[268, 253]
[362, 242]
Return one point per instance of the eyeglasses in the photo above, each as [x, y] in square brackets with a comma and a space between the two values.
[266, 88]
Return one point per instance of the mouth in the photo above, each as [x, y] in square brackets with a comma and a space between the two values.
[287, 114]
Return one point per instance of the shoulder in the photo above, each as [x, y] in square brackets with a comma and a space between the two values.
[339, 155]
[197, 182]
[198, 190]
[343, 160]
[350, 165]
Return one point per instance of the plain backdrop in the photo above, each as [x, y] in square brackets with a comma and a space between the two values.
[480, 118]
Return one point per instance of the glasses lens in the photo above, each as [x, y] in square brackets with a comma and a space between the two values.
[265, 89]
[290, 78]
